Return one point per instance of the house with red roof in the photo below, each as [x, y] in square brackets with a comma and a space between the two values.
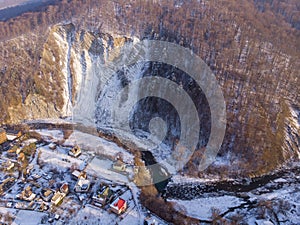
[118, 206]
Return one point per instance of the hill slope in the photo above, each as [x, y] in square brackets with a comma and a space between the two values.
[251, 46]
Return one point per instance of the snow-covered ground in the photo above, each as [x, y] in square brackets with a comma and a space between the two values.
[201, 208]
[50, 167]
[91, 215]
[279, 207]
[51, 135]
[27, 217]
[274, 202]
[87, 142]
[50, 121]
[102, 168]
[284, 203]
[179, 179]
[55, 159]
[97, 145]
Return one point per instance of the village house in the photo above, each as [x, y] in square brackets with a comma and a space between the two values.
[60, 195]
[9, 204]
[103, 196]
[3, 137]
[82, 185]
[56, 217]
[31, 205]
[47, 194]
[57, 197]
[118, 206]
[75, 151]
[18, 151]
[20, 205]
[27, 194]
[42, 207]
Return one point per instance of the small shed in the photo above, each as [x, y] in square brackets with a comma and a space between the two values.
[75, 151]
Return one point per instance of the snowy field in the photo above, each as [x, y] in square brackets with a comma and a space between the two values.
[102, 168]
[97, 145]
[201, 208]
[26, 217]
[54, 158]
[51, 135]
[91, 215]
[131, 218]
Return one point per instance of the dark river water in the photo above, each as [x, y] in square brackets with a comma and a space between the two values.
[188, 191]
[160, 179]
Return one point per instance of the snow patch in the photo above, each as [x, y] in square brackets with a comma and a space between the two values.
[93, 215]
[98, 145]
[51, 135]
[28, 217]
[102, 168]
[201, 208]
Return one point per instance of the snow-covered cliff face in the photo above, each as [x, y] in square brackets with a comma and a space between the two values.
[292, 132]
[78, 56]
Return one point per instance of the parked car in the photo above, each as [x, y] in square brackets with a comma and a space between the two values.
[9, 205]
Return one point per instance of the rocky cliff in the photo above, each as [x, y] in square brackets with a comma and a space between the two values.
[253, 49]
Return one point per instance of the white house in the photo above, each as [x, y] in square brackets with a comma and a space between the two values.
[82, 185]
